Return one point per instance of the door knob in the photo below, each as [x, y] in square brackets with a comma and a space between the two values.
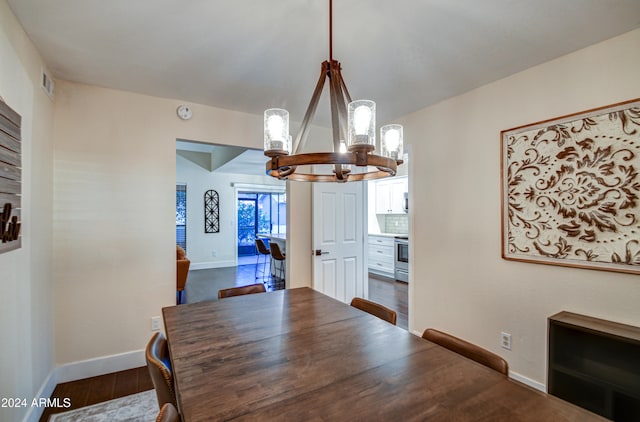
[319, 252]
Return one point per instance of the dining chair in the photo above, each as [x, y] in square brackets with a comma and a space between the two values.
[375, 309]
[168, 413]
[263, 251]
[182, 272]
[243, 290]
[468, 350]
[159, 365]
[279, 257]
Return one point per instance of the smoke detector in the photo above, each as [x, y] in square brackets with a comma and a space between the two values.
[184, 112]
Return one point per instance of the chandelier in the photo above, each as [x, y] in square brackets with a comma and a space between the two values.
[354, 136]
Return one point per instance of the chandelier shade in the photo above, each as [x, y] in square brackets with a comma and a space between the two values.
[353, 125]
[362, 123]
[276, 132]
[391, 141]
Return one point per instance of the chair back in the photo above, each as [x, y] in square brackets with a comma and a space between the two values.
[168, 413]
[468, 350]
[244, 290]
[276, 252]
[182, 268]
[262, 248]
[375, 309]
[159, 365]
[182, 271]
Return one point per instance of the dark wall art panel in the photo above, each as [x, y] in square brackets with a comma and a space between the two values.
[211, 212]
[10, 178]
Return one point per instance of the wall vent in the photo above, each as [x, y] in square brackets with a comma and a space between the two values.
[47, 83]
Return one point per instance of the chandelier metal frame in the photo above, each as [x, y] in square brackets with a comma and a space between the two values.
[284, 166]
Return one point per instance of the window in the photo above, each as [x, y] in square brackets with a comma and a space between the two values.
[181, 216]
[260, 213]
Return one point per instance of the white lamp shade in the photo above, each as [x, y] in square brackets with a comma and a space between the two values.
[276, 130]
[391, 141]
[361, 116]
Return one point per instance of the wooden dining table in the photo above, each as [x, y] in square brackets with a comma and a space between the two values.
[298, 355]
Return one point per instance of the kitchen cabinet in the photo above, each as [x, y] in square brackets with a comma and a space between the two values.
[381, 258]
[390, 195]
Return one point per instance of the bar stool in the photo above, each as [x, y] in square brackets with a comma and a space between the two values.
[279, 264]
[263, 251]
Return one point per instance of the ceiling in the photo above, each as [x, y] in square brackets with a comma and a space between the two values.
[223, 158]
[249, 55]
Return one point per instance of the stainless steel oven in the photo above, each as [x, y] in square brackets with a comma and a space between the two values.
[401, 256]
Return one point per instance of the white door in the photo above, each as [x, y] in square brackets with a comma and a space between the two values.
[338, 240]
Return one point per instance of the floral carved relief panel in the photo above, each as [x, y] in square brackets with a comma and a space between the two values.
[570, 189]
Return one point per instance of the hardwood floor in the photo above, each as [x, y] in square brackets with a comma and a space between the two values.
[204, 284]
[386, 291]
[392, 294]
[99, 389]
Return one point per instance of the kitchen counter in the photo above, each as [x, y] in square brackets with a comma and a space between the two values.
[392, 235]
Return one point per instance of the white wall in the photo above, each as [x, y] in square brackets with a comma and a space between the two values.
[459, 282]
[26, 351]
[200, 245]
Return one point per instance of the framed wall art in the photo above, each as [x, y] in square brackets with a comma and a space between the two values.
[10, 178]
[570, 190]
[211, 212]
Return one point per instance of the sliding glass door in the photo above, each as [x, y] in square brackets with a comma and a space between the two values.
[260, 214]
[247, 223]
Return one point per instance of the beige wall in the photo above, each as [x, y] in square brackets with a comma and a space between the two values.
[26, 349]
[114, 224]
[459, 281]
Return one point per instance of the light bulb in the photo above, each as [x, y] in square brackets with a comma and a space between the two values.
[392, 139]
[275, 124]
[361, 119]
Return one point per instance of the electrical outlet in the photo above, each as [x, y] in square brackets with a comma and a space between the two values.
[505, 340]
[214, 253]
[156, 323]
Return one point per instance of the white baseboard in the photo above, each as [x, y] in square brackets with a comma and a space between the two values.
[99, 366]
[35, 412]
[212, 264]
[528, 381]
[84, 369]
